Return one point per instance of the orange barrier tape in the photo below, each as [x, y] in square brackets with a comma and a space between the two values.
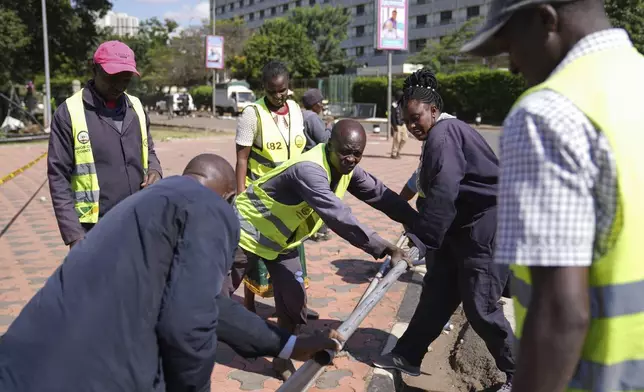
[22, 169]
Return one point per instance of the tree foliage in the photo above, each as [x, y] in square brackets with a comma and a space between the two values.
[72, 35]
[326, 27]
[13, 40]
[629, 15]
[279, 39]
[444, 55]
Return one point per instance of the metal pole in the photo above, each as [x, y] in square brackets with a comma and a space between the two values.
[45, 39]
[306, 375]
[389, 60]
[381, 272]
[213, 21]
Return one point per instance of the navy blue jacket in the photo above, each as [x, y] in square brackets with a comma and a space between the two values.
[133, 307]
[459, 176]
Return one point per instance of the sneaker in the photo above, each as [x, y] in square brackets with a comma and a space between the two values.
[395, 361]
[312, 314]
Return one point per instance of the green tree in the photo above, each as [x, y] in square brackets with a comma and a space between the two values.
[629, 15]
[13, 40]
[72, 35]
[326, 27]
[444, 55]
[280, 39]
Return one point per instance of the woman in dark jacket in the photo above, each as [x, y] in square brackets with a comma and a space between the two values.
[457, 188]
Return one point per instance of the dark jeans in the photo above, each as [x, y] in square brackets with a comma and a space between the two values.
[287, 279]
[465, 273]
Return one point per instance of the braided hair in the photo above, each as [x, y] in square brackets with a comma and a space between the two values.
[421, 86]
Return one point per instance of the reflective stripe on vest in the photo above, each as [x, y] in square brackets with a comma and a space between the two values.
[84, 179]
[275, 148]
[613, 355]
[268, 227]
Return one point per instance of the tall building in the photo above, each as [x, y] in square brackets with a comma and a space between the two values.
[121, 24]
[427, 20]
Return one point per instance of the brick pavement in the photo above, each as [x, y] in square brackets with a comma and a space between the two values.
[32, 249]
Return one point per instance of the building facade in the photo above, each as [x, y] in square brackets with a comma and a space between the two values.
[121, 24]
[427, 20]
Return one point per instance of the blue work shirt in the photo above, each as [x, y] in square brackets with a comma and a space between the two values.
[133, 307]
[458, 175]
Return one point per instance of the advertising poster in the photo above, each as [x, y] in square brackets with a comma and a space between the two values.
[215, 52]
[391, 24]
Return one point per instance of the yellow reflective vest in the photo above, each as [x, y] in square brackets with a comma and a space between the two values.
[84, 179]
[275, 149]
[607, 86]
[269, 227]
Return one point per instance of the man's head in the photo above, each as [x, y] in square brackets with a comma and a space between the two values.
[346, 145]
[537, 34]
[215, 173]
[275, 78]
[394, 14]
[114, 65]
[421, 103]
[312, 100]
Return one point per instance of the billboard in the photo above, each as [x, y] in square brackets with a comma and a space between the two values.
[214, 52]
[391, 24]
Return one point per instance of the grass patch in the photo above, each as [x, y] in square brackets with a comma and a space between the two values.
[167, 133]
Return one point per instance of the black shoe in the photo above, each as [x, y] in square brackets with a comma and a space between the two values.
[312, 314]
[395, 361]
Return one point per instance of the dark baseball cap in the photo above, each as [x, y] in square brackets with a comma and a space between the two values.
[499, 14]
[311, 97]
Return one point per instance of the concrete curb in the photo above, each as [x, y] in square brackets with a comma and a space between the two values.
[384, 380]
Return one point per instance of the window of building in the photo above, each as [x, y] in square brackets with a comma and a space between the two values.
[311, 2]
[221, 10]
[261, 14]
[326, 1]
[446, 17]
[473, 12]
[273, 11]
[378, 52]
[231, 6]
[418, 44]
[421, 20]
[359, 31]
[360, 9]
[421, 1]
[285, 8]
[298, 3]
[251, 16]
[241, 3]
[251, 2]
[360, 51]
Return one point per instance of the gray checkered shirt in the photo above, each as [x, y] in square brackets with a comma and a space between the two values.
[558, 178]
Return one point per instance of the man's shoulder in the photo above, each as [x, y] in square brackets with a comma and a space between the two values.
[548, 105]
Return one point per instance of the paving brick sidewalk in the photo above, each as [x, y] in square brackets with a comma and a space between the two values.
[339, 273]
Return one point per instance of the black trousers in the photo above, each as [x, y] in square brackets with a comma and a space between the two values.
[468, 275]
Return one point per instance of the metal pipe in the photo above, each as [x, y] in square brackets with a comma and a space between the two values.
[45, 38]
[213, 20]
[306, 375]
[381, 272]
[389, 92]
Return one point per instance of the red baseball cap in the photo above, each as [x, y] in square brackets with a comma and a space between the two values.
[115, 57]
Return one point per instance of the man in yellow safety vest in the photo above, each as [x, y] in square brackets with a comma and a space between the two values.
[570, 194]
[290, 203]
[100, 147]
[270, 131]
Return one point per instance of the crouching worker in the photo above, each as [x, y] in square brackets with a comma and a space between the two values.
[134, 307]
[291, 202]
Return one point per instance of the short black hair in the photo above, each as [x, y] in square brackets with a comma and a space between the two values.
[422, 86]
[273, 69]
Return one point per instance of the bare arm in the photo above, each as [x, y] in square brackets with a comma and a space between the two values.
[555, 329]
[242, 165]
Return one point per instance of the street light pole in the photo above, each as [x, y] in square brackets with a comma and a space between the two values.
[213, 20]
[45, 38]
[389, 93]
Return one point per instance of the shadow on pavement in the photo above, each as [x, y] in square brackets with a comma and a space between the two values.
[356, 271]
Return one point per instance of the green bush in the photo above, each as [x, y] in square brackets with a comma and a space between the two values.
[202, 96]
[491, 93]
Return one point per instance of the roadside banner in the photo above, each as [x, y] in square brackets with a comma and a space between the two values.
[391, 24]
[215, 52]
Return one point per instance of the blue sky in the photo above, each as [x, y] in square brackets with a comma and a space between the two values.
[185, 12]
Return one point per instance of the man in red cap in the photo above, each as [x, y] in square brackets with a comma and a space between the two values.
[100, 147]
